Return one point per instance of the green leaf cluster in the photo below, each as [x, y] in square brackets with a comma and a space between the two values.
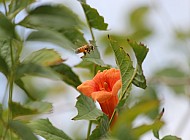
[58, 25]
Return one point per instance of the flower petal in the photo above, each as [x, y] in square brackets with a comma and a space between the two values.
[101, 96]
[116, 87]
[87, 88]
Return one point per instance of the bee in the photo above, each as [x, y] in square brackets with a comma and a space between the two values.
[85, 49]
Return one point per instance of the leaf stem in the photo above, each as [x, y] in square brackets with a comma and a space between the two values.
[89, 129]
[4, 4]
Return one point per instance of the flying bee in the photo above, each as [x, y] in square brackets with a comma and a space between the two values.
[85, 49]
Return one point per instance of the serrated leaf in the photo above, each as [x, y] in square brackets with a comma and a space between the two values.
[35, 70]
[44, 128]
[86, 109]
[6, 28]
[139, 79]
[93, 18]
[22, 130]
[20, 110]
[50, 17]
[125, 65]
[52, 37]
[44, 57]
[170, 137]
[67, 75]
[17, 5]
[140, 51]
[101, 130]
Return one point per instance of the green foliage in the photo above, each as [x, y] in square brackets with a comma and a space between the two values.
[54, 17]
[35, 70]
[140, 52]
[86, 109]
[67, 75]
[19, 110]
[17, 5]
[59, 25]
[123, 127]
[93, 18]
[6, 28]
[44, 57]
[124, 62]
[44, 128]
[52, 37]
[101, 130]
[22, 130]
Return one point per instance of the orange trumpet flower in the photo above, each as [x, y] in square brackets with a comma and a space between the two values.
[103, 88]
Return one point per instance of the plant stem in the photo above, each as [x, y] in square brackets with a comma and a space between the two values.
[4, 4]
[89, 129]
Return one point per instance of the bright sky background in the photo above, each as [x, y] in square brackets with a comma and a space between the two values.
[164, 15]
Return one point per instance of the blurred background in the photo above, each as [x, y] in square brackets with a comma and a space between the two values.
[164, 26]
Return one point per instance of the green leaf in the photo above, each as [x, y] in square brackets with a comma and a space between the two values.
[50, 17]
[41, 107]
[17, 5]
[35, 70]
[20, 110]
[140, 130]
[10, 50]
[44, 128]
[75, 36]
[139, 79]
[101, 130]
[3, 67]
[123, 127]
[22, 130]
[30, 108]
[140, 51]
[93, 18]
[170, 137]
[67, 75]
[52, 37]
[44, 57]
[86, 109]
[125, 65]
[6, 28]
